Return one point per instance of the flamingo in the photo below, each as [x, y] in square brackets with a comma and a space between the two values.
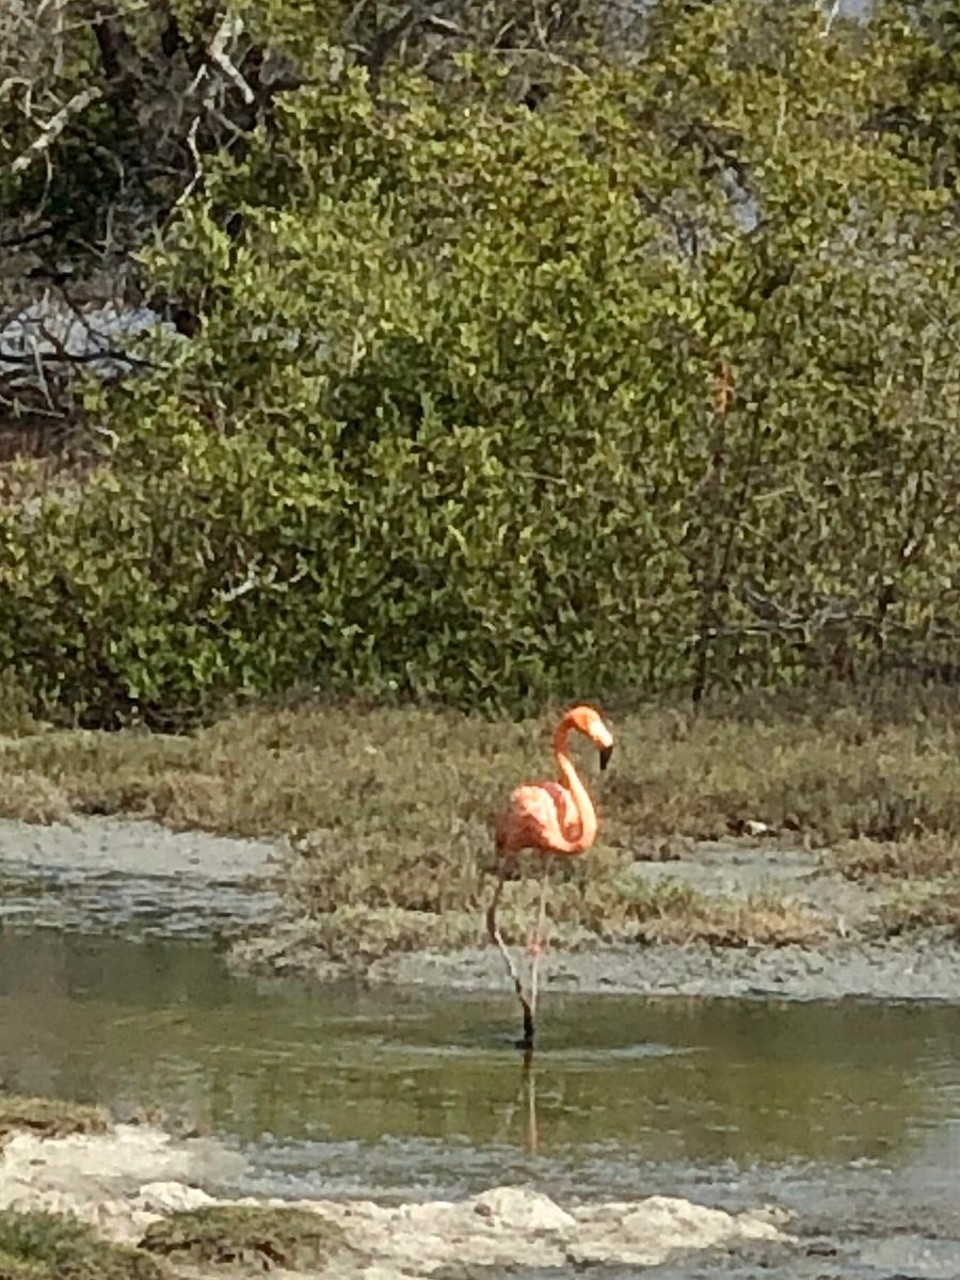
[554, 818]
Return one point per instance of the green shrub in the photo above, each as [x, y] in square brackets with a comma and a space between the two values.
[447, 429]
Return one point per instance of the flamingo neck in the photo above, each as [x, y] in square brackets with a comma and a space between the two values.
[581, 796]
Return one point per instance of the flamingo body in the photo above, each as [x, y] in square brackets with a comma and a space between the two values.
[554, 817]
[540, 815]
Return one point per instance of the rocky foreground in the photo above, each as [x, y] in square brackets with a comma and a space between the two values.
[125, 1180]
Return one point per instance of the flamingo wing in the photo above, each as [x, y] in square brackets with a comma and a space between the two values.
[540, 815]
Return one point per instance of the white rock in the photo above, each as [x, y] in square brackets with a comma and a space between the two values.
[754, 828]
[520, 1209]
[645, 1233]
[171, 1197]
[675, 1222]
[99, 1177]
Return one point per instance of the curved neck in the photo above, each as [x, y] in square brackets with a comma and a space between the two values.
[581, 797]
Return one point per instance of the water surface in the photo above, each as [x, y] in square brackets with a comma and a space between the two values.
[389, 1093]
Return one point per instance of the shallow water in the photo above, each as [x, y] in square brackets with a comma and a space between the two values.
[110, 875]
[405, 1094]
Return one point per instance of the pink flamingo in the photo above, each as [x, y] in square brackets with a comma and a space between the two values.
[552, 818]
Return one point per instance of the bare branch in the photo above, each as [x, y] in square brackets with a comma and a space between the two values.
[228, 31]
[831, 19]
[197, 163]
[34, 360]
[79, 102]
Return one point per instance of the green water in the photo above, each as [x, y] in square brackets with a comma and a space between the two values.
[380, 1092]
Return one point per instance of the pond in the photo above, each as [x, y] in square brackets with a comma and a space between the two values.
[830, 1108]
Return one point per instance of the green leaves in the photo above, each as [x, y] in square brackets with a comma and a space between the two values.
[448, 427]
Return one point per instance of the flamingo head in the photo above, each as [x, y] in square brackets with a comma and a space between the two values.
[590, 723]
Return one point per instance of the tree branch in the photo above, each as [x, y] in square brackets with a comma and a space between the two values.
[79, 102]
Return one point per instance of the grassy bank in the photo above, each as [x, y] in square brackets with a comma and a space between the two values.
[388, 810]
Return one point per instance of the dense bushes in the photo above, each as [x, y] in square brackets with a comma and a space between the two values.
[448, 425]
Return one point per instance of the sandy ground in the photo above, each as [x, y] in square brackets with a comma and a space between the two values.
[924, 969]
[113, 845]
[891, 971]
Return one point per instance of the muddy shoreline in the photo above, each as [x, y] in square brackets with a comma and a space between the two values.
[919, 970]
[925, 968]
[111, 874]
[849, 960]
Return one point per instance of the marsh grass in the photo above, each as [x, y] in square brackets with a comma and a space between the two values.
[48, 1117]
[928, 905]
[46, 1246]
[922, 857]
[603, 899]
[387, 810]
[920, 874]
[249, 1238]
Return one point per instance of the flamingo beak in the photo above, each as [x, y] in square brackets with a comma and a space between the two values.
[605, 754]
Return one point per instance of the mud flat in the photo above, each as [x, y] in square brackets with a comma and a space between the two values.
[139, 878]
[927, 970]
[922, 969]
[849, 959]
[100, 874]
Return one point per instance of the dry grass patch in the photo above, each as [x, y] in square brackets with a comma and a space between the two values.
[918, 857]
[246, 1237]
[841, 773]
[919, 907]
[389, 808]
[48, 1117]
[759, 920]
[31, 797]
[921, 874]
[590, 900]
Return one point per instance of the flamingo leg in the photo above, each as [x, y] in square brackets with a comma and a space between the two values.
[495, 936]
[538, 936]
[530, 1086]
